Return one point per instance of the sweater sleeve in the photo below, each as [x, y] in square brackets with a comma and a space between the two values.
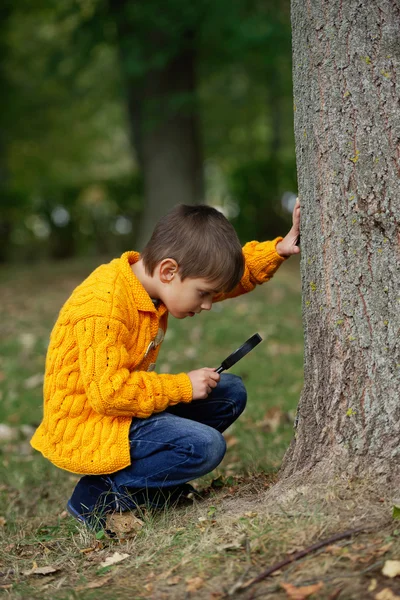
[111, 386]
[261, 262]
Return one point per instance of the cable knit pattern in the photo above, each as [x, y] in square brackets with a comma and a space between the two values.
[261, 262]
[101, 347]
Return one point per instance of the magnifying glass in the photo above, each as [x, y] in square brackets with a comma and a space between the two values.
[233, 358]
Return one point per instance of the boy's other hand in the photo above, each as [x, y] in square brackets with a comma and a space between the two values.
[203, 382]
[289, 244]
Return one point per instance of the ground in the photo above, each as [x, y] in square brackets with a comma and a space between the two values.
[213, 547]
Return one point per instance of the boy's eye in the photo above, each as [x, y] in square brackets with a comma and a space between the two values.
[203, 294]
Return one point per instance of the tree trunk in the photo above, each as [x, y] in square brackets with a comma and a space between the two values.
[163, 114]
[171, 148]
[347, 129]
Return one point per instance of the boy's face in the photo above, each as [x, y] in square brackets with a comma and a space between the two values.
[188, 297]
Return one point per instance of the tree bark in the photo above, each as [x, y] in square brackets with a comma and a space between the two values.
[163, 115]
[347, 130]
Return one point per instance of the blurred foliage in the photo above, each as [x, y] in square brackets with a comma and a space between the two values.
[248, 185]
[70, 178]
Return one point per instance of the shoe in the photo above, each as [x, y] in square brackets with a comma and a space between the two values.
[91, 500]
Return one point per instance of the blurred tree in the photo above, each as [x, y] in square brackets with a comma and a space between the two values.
[167, 57]
[158, 56]
[86, 77]
[11, 203]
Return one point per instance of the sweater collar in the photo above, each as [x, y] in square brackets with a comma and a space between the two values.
[142, 299]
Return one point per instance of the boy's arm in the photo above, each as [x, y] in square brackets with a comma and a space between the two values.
[111, 387]
[261, 262]
[263, 259]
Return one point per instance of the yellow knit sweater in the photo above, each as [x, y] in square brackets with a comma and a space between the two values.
[97, 367]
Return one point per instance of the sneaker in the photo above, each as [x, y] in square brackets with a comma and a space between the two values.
[91, 500]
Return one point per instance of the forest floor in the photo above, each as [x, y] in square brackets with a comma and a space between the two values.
[213, 547]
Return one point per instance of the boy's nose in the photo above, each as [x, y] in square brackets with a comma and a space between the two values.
[206, 305]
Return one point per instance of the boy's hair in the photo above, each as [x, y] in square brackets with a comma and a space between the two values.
[203, 243]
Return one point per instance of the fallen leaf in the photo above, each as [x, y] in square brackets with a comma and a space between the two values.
[301, 593]
[383, 549]
[113, 559]
[272, 420]
[2, 521]
[391, 568]
[372, 586]
[149, 587]
[386, 594]
[194, 583]
[250, 514]
[230, 440]
[173, 580]
[40, 570]
[87, 550]
[124, 525]
[99, 582]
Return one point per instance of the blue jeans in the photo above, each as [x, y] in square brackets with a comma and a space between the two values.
[170, 448]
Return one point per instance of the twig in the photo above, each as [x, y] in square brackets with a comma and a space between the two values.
[275, 588]
[301, 553]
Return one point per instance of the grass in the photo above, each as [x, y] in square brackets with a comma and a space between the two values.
[198, 551]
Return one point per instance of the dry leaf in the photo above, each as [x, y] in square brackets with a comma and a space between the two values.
[301, 593]
[230, 440]
[149, 587]
[40, 570]
[173, 580]
[193, 584]
[372, 585]
[2, 521]
[94, 584]
[383, 549]
[124, 525]
[112, 560]
[391, 568]
[273, 419]
[386, 594]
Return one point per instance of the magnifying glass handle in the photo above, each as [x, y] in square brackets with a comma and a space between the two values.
[220, 369]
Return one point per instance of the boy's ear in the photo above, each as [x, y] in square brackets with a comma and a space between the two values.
[167, 270]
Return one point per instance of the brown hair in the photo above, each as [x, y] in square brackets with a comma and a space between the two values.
[203, 243]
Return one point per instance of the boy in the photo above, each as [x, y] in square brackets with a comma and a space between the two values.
[133, 434]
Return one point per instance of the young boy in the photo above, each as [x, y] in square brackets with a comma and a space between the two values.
[137, 436]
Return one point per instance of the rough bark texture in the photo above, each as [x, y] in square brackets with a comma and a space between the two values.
[347, 128]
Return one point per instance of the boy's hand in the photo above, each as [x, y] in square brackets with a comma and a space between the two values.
[203, 382]
[289, 244]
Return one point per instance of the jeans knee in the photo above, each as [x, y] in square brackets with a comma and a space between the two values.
[235, 390]
[211, 448]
